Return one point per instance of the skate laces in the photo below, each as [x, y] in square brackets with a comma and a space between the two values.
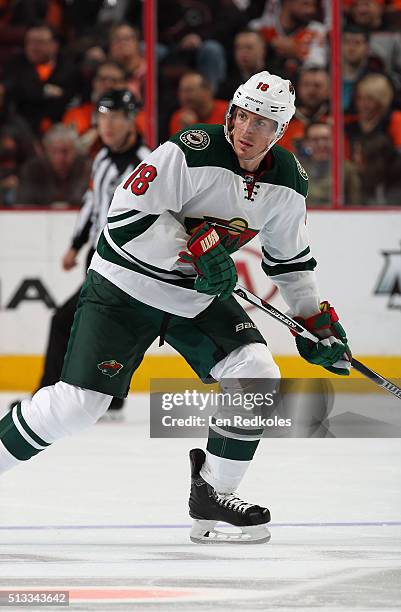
[232, 502]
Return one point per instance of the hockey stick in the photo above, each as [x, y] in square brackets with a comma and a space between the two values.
[250, 297]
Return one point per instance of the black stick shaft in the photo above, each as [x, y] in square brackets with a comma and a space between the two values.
[376, 378]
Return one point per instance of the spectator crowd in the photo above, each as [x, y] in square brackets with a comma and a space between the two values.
[57, 57]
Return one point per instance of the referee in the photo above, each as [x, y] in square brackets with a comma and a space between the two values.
[121, 152]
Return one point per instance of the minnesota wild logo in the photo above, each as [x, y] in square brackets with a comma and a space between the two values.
[195, 139]
[234, 233]
[110, 368]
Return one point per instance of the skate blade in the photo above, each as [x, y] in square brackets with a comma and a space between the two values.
[204, 532]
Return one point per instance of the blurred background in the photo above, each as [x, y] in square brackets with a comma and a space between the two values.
[182, 61]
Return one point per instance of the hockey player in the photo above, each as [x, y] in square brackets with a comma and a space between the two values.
[163, 268]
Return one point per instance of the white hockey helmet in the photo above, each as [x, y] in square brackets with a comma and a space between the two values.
[267, 95]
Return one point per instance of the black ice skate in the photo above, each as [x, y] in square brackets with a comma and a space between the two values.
[207, 508]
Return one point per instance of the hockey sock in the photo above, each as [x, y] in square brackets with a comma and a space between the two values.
[231, 444]
[53, 413]
[228, 457]
[18, 442]
[247, 371]
[236, 430]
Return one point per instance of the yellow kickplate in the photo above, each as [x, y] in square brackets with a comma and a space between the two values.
[22, 372]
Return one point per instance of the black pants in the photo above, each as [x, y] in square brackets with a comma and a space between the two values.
[59, 334]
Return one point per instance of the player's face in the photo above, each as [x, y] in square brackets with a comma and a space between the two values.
[251, 135]
[114, 128]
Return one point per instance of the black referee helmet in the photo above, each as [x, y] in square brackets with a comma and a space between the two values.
[118, 99]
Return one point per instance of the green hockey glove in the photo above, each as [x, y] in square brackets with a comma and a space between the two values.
[332, 352]
[216, 270]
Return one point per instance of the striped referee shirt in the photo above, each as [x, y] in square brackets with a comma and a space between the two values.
[108, 170]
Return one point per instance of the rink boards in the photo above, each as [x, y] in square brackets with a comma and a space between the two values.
[358, 253]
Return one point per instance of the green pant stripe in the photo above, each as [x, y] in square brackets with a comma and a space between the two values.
[285, 268]
[284, 261]
[13, 441]
[28, 430]
[228, 448]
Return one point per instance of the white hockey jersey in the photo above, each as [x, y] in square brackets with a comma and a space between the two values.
[195, 177]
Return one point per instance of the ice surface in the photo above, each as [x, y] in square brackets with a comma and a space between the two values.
[104, 515]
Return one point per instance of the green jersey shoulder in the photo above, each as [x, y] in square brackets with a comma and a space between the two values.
[288, 171]
[206, 145]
